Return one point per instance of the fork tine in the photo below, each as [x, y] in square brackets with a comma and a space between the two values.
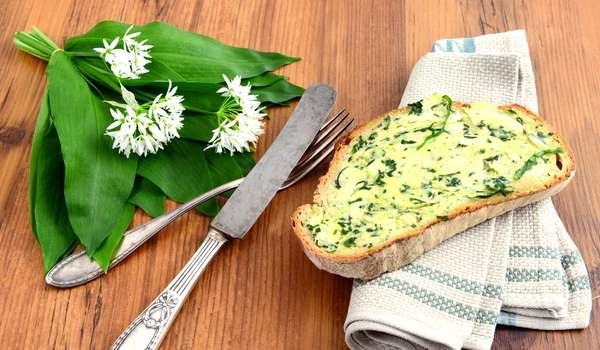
[315, 156]
[315, 149]
[330, 120]
[308, 168]
[330, 125]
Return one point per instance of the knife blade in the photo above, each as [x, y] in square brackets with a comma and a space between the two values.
[236, 217]
[243, 208]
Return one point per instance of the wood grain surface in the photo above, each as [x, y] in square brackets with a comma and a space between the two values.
[262, 292]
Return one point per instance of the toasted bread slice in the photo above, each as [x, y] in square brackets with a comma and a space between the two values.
[404, 182]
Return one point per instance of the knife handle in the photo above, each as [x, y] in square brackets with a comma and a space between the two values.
[149, 329]
[78, 268]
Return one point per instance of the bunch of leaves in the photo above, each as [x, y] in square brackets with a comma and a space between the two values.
[83, 192]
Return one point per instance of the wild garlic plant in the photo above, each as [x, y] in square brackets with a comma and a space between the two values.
[128, 62]
[239, 117]
[148, 127]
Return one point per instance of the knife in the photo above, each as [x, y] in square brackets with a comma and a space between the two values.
[236, 217]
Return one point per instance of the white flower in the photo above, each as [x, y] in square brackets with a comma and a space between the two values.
[128, 62]
[240, 118]
[145, 128]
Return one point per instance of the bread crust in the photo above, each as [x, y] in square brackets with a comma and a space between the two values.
[412, 244]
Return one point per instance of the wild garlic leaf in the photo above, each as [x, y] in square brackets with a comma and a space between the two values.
[48, 211]
[198, 126]
[192, 56]
[181, 171]
[105, 253]
[148, 196]
[264, 79]
[98, 180]
[278, 93]
[225, 167]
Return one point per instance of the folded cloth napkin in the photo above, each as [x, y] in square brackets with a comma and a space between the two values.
[519, 269]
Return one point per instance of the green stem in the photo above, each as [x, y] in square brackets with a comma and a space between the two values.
[35, 43]
[84, 54]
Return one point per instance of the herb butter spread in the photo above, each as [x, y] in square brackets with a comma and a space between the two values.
[426, 164]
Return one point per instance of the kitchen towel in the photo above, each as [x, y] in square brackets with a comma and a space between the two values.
[519, 269]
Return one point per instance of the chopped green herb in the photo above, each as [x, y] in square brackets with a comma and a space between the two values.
[407, 142]
[494, 186]
[345, 224]
[520, 120]
[442, 217]
[354, 201]
[398, 134]
[360, 143]
[416, 107]
[501, 133]
[313, 228]
[453, 182]
[435, 132]
[350, 242]
[364, 185]
[492, 158]
[337, 179]
[385, 123]
[414, 200]
[391, 165]
[379, 178]
[532, 161]
[446, 175]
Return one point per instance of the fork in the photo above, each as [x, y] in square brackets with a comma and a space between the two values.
[78, 268]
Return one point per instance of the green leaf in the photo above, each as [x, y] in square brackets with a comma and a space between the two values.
[180, 54]
[263, 79]
[279, 92]
[106, 252]
[197, 97]
[245, 161]
[181, 172]
[47, 208]
[98, 180]
[198, 126]
[148, 196]
[225, 167]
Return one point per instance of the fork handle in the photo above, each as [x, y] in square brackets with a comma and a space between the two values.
[78, 268]
[149, 329]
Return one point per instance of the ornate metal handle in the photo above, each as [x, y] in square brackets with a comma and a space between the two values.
[78, 268]
[150, 327]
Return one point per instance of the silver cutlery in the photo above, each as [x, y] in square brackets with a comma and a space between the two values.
[237, 216]
[77, 268]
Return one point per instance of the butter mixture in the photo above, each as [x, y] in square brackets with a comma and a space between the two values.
[419, 167]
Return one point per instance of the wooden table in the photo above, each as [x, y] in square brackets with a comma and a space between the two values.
[262, 292]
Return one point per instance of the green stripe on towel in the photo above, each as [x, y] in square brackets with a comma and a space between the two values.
[433, 300]
[450, 280]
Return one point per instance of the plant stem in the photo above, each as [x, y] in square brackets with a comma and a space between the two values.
[35, 43]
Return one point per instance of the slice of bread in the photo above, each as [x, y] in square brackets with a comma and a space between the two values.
[404, 182]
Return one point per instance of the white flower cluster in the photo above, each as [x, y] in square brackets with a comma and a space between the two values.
[128, 62]
[240, 118]
[145, 128]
